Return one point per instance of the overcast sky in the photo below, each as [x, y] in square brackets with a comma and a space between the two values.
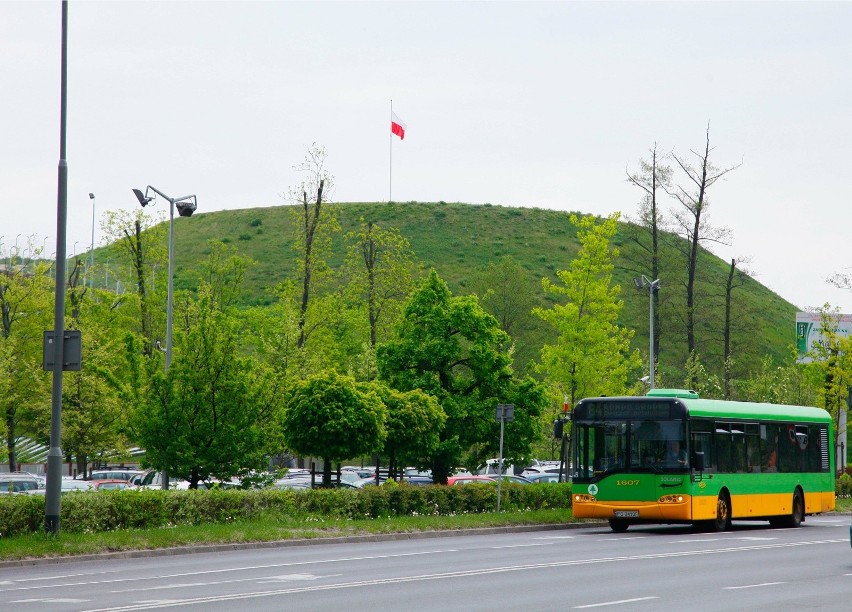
[512, 103]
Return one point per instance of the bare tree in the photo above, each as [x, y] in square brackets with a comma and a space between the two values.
[691, 219]
[140, 241]
[736, 278]
[651, 177]
[311, 194]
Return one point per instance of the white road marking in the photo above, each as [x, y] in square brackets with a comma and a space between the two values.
[555, 538]
[615, 603]
[702, 540]
[226, 570]
[51, 600]
[459, 574]
[521, 545]
[290, 578]
[752, 586]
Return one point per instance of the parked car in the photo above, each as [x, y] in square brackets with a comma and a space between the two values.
[70, 484]
[67, 485]
[543, 478]
[154, 480]
[470, 479]
[114, 474]
[111, 484]
[17, 482]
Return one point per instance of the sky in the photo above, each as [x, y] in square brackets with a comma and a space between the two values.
[532, 104]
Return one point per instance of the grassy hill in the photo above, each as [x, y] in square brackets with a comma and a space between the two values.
[461, 240]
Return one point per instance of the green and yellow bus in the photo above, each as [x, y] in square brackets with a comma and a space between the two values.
[670, 457]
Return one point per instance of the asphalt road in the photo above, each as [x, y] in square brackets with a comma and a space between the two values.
[752, 567]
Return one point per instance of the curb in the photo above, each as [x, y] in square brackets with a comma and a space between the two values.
[379, 537]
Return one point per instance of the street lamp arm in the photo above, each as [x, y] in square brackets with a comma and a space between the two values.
[167, 198]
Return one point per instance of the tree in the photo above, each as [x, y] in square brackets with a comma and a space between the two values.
[507, 291]
[414, 423]
[329, 416]
[140, 245]
[831, 369]
[591, 355]
[450, 348]
[94, 417]
[784, 383]
[691, 220]
[735, 279]
[651, 177]
[379, 266]
[26, 310]
[314, 225]
[215, 413]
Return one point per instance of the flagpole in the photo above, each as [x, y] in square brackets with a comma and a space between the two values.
[390, 159]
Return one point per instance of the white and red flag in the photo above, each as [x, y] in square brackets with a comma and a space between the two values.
[397, 126]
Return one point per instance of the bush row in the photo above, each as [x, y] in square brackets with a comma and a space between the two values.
[96, 511]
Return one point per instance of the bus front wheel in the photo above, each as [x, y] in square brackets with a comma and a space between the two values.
[722, 522]
[618, 525]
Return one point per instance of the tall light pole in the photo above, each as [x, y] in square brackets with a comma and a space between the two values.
[52, 502]
[186, 205]
[653, 286]
[92, 253]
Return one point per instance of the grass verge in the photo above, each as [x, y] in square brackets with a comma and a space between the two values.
[265, 529]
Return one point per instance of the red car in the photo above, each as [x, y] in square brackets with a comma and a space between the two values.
[469, 479]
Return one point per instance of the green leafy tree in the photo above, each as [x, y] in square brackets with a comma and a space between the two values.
[26, 309]
[215, 413]
[592, 354]
[414, 423]
[831, 368]
[94, 416]
[784, 383]
[449, 347]
[379, 270]
[698, 379]
[329, 416]
[507, 291]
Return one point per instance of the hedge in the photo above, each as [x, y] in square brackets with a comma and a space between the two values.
[95, 511]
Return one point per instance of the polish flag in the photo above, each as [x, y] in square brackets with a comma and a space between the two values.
[397, 126]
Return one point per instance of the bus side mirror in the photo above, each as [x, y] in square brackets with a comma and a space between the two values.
[698, 461]
[558, 428]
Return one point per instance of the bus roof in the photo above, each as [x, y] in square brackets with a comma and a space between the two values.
[694, 407]
[721, 409]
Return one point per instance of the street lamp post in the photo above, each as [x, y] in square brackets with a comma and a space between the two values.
[186, 205]
[653, 286]
[92, 251]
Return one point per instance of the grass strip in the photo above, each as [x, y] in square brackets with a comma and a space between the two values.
[267, 528]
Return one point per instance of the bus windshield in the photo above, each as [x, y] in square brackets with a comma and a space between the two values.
[605, 447]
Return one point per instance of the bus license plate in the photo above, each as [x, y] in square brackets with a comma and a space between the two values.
[626, 514]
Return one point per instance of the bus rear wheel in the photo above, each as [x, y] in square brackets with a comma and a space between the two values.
[618, 525]
[796, 516]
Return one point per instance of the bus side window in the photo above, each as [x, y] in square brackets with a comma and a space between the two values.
[701, 444]
[738, 441]
[769, 448]
[722, 438]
